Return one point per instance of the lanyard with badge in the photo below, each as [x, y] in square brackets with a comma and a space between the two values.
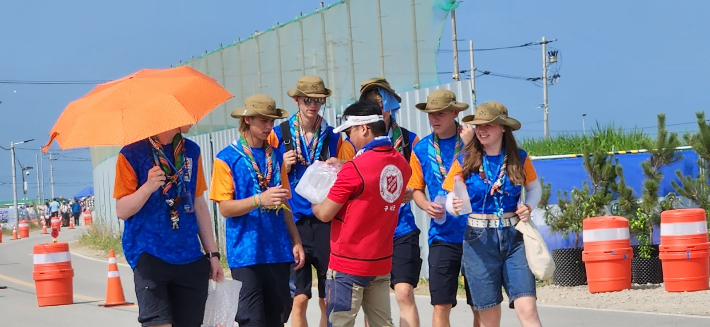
[183, 196]
[494, 188]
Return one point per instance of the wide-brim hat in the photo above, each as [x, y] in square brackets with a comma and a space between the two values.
[259, 105]
[378, 82]
[493, 112]
[468, 118]
[441, 100]
[310, 86]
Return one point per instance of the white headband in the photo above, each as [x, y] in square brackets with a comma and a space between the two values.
[351, 121]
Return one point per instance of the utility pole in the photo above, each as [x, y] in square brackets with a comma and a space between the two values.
[41, 171]
[473, 76]
[584, 128]
[51, 174]
[39, 195]
[456, 75]
[14, 182]
[544, 89]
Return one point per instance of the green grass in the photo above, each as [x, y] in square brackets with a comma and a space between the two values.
[101, 238]
[610, 138]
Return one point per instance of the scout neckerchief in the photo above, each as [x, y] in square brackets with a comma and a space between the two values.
[495, 183]
[395, 133]
[435, 154]
[314, 147]
[174, 174]
[378, 141]
[261, 181]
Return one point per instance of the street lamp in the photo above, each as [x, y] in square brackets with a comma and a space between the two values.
[14, 181]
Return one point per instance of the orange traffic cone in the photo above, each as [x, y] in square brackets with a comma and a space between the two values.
[14, 233]
[71, 223]
[114, 290]
[44, 228]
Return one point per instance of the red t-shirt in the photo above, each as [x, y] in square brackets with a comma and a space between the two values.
[371, 187]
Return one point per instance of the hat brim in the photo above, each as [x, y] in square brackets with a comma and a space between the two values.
[374, 85]
[251, 112]
[451, 107]
[294, 92]
[513, 123]
[467, 119]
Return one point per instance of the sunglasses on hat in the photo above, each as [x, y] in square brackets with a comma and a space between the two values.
[316, 100]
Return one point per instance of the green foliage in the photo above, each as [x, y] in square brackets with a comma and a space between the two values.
[101, 237]
[645, 212]
[589, 201]
[696, 188]
[609, 138]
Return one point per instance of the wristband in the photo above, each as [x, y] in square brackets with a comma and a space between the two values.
[258, 196]
[254, 199]
[213, 254]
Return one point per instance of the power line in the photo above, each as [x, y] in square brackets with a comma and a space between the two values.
[492, 49]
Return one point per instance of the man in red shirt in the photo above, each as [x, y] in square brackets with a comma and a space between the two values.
[363, 205]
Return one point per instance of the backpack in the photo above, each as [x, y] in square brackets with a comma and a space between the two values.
[288, 141]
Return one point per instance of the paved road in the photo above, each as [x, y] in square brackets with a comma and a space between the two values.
[18, 303]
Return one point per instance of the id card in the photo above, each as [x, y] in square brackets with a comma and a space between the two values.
[187, 202]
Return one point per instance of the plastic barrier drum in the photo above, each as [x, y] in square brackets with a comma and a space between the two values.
[56, 223]
[24, 229]
[53, 274]
[684, 250]
[607, 253]
[87, 218]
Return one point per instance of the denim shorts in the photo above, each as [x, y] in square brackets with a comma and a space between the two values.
[493, 258]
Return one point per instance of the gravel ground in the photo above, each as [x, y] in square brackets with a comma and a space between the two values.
[645, 298]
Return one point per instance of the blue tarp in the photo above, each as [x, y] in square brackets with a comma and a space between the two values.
[566, 174]
[85, 192]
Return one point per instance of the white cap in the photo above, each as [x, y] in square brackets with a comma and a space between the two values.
[351, 121]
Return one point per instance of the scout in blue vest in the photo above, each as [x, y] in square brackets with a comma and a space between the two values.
[495, 171]
[304, 138]
[158, 190]
[406, 257]
[262, 239]
[431, 160]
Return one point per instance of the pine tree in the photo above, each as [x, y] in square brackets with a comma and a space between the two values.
[589, 201]
[645, 212]
[696, 189]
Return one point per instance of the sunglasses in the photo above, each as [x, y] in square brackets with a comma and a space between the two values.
[316, 100]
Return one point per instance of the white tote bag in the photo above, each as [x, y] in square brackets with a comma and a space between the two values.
[539, 259]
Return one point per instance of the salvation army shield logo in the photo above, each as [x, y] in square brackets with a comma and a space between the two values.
[391, 183]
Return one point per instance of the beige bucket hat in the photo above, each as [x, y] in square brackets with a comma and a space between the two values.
[310, 86]
[493, 112]
[260, 105]
[441, 100]
[378, 82]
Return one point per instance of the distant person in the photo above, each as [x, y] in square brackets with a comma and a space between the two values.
[76, 211]
[53, 211]
[65, 210]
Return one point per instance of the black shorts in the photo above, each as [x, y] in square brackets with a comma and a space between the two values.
[264, 299]
[315, 236]
[406, 259]
[444, 269]
[171, 294]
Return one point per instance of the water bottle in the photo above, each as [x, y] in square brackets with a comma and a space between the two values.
[441, 200]
[461, 192]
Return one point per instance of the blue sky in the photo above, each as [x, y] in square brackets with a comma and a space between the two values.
[620, 61]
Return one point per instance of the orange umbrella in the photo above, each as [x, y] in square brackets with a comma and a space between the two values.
[137, 106]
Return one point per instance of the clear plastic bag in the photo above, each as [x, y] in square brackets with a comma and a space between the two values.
[222, 303]
[317, 181]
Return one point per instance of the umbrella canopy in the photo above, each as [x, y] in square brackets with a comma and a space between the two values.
[85, 192]
[137, 106]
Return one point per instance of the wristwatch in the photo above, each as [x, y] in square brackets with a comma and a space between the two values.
[212, 254]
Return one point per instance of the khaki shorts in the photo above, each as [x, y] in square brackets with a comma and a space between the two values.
[346, 293]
